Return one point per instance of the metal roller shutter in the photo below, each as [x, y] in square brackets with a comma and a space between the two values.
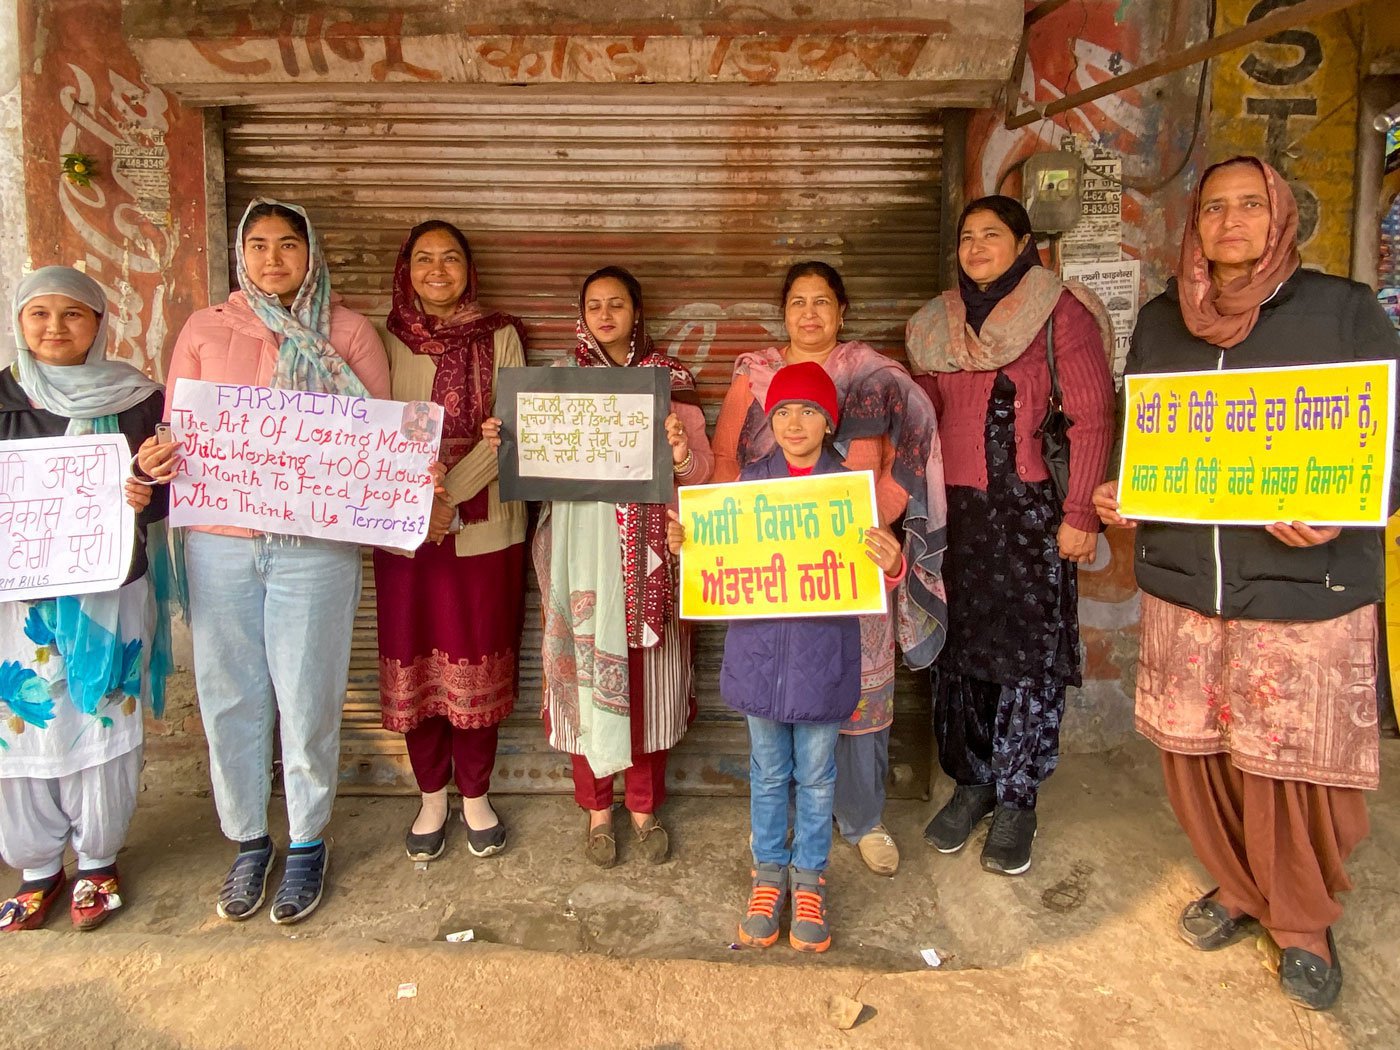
[707, 202]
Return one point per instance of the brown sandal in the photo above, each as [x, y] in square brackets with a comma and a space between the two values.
[601, 847]
[653, 844]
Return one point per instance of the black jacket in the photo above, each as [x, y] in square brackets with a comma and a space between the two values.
[1241, 572]
[20, 419]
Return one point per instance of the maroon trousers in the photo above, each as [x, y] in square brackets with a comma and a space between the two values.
[644, 781]
[1277, 848]
[440, 751]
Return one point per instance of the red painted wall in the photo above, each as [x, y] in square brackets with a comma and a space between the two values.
[139, 227]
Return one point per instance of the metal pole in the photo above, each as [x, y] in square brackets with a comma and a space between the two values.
[1284, 18]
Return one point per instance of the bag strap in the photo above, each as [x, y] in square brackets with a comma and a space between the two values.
[1056, 398]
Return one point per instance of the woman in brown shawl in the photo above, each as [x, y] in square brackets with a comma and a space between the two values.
[450, 613]
[1258, 666]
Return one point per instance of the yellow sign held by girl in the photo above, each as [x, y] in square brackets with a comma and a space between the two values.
[776, 548]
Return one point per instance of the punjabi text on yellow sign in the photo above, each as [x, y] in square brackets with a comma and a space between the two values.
[1256, 446]
[779, 548]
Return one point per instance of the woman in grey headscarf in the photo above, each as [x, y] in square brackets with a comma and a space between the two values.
[75, 667]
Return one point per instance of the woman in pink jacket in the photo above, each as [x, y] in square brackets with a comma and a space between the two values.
[272, 615]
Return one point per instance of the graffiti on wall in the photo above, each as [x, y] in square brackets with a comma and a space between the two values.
[748, 44]
[306, 45]
[1291, 98]
[138, 226]
[124, 222]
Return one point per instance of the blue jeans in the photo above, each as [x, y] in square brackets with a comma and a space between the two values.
[271, 617]
[781, 754]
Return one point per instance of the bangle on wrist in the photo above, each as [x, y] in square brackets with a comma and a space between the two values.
[140, 476]
[683, 467]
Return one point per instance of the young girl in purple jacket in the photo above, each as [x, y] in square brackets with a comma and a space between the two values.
[796, 681]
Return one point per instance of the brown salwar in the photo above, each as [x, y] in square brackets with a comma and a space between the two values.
[1277, 848]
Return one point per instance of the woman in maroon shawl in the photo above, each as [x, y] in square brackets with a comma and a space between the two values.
[450, 613]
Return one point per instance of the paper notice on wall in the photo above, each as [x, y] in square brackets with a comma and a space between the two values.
[1116, 284]
[1098, 235]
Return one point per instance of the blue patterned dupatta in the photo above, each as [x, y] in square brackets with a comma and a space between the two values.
[306, 360]
[84, 629]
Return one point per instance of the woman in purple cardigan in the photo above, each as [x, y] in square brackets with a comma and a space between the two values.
[1013, 544]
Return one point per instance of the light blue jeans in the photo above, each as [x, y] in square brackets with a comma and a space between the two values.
[272, 618]
[782, 754]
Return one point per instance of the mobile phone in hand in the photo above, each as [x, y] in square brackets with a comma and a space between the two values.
[164, 435]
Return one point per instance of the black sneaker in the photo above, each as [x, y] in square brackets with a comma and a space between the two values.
[949, 830]
[1307, 980]
[1007, 850]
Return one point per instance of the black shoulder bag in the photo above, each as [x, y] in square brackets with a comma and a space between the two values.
[1054, 428]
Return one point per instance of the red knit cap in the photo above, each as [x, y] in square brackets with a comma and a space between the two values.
[805, 383]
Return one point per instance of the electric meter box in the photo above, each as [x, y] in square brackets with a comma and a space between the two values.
[1051, 183]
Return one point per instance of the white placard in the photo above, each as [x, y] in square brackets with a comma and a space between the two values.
[1116, 283]
[304, 463]
[609, 433]
[63, 516]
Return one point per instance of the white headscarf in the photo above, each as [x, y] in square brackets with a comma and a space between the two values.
[79, 393]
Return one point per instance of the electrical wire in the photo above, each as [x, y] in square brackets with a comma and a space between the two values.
[1139, 186]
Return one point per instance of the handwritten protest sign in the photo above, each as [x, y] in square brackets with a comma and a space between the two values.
[585, 434]
[776, 548]
[304, 463]
[1253, 447]
[65, 527]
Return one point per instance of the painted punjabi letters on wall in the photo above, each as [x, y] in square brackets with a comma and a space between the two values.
[1291, 99]
[83, 92]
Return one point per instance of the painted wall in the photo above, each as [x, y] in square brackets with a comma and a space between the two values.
[1291, 99]
[138, 229]
[14, 244]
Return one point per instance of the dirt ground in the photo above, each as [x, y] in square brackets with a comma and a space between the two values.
[1078, 953]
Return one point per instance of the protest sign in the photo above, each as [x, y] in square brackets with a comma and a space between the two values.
[305, 463]
[1253, 447]
[778, 548]
[64, 521]
[585, 434]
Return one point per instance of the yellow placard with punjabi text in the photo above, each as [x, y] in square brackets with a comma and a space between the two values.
[780, 548]
[1256, 446]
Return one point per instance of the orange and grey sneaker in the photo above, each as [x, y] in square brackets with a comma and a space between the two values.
[759, 929]
[95, 896]
[809, 932]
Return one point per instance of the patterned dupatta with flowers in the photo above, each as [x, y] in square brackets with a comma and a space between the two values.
[306, 360]
[648, 570]
[609, 584]
[463, 349]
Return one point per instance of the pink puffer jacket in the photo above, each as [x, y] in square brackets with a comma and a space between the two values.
[228, 344]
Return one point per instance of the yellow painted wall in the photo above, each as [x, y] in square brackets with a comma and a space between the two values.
[1291, 99]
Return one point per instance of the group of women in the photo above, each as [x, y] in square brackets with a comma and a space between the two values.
[991, 543]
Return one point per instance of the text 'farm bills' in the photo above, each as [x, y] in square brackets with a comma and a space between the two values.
[65, 527]
[1256, 446]
[778, 548]
[305, 463]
